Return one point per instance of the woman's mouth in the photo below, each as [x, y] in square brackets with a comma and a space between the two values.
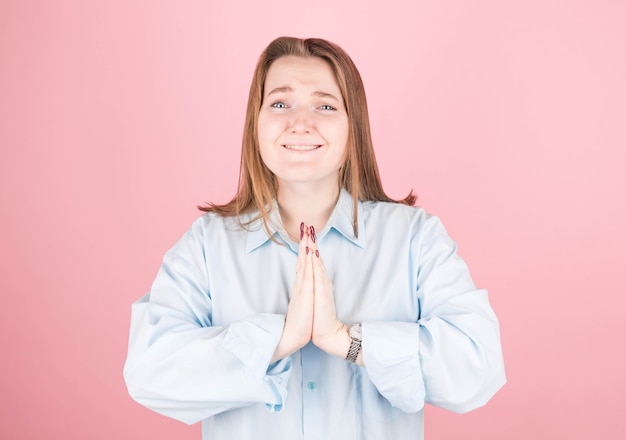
[301, 147]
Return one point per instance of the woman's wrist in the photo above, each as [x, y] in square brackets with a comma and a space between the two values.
[338, 343]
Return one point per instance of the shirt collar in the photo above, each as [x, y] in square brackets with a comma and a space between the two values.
[340, 220]
[257, 235]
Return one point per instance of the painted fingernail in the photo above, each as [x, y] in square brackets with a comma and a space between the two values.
[301, 230]
[307, 250]
[312, 229]
[317, 253]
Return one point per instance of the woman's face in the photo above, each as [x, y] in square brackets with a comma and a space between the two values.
[303, 124]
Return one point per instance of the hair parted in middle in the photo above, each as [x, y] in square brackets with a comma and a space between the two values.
[358, 175]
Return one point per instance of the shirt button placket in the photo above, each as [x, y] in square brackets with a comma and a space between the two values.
[312, 405]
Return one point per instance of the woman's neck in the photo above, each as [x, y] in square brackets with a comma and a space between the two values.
[312, 205]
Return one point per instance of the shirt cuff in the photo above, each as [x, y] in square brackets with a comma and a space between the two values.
[253, 342]
[391, 358]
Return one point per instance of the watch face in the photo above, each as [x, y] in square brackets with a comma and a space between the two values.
[355, 332]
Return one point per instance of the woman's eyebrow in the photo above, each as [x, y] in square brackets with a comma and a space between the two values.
[326, 95]
[284, 89]
[318, 93]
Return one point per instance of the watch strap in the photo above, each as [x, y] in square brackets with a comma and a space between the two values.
[353, 351]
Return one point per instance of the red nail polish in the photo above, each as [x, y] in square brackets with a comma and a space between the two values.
[307, 250]
[317, 253]
[312, 229]
[301, 230]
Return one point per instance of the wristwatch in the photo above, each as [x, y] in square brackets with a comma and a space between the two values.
[355, 342]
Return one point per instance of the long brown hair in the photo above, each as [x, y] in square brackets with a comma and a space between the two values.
[358, 175]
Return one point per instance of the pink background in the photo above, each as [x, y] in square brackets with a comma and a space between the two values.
[118, 117]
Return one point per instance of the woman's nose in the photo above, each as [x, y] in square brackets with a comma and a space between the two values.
[302, 121]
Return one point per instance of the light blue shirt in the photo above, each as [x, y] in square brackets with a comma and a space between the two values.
[201, 341]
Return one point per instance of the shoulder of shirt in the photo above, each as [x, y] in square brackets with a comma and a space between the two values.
[209, 220]
[395, 210]
[401, 216]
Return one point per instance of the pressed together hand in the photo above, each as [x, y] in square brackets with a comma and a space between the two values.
[311, 315]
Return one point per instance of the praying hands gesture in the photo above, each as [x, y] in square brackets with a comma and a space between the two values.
[311, 315]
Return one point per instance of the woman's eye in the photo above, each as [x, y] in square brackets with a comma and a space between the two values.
[327, 107]
[279, 105]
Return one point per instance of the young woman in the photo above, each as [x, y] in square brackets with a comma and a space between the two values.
[312, 305]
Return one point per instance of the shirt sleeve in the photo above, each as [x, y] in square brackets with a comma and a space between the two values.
[451, 357]
[182, 366]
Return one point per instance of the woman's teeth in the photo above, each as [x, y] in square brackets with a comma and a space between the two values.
[301, 147]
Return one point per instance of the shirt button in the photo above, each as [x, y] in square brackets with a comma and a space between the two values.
[311, 385]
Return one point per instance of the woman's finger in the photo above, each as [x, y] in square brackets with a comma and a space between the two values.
[301, 248]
